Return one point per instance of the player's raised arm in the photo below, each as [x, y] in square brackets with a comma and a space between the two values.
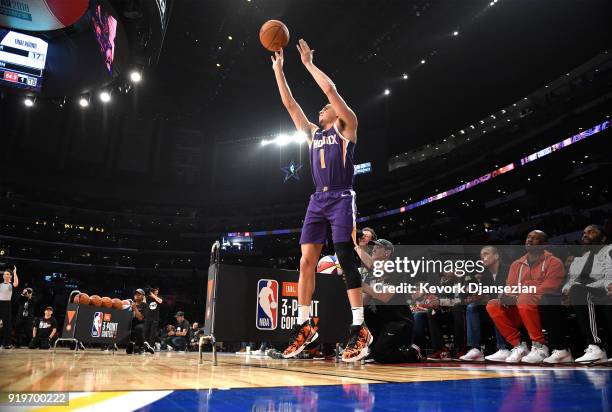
[348, 124]
[294, 109]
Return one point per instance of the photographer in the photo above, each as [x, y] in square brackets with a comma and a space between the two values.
[44, 330]
[151, 324]
[365, 239]
[25, 318]
[387, 315]
[178, 338]
[6, 293]
[137, 343]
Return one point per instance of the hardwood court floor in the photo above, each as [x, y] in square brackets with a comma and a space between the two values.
[94, 370]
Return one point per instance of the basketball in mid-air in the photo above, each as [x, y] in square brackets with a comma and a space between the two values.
[274, 35]
[273, 305]
[329, 264]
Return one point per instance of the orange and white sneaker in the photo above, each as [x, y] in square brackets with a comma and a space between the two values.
[358, 344]
[301, 335]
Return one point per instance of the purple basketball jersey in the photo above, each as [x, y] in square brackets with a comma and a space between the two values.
[331, 160]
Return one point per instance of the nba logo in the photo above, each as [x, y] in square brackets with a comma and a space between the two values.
[267, 304]
[96, 327]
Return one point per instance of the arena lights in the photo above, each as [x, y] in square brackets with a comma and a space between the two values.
[29, 101]
[423, 61]
[285, 139]
[105, 96]
[455, 33]
[84, 101]
[405, 76]
[387, 92]
[136, 76]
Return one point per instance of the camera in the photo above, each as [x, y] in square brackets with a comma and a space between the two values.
[360, 235]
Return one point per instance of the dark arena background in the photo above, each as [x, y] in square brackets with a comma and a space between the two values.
[153, 190]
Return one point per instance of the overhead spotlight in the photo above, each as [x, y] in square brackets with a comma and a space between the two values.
[493, 117]
[482, 122]
[282, 139]
[105, 96]
[503, 111]
[135, 76]
[299, 137]
[461, 131]
[423, 61]
[405, 76]
[230, 38]
[28, 101]
[264, 142]
[84, 102]
[387, 92]
[455, 33]
[218, 64]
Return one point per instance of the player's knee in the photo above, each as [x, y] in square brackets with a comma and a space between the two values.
[307, 264]
[344, 251]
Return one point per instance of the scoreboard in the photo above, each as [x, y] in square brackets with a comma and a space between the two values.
[22, 60]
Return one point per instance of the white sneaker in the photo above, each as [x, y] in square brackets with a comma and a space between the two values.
[593, 354]
[474, 355]
[559, 356]
[499, 356]
[517, 353]
[538, 353]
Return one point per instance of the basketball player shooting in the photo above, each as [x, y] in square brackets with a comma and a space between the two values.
[331, 144]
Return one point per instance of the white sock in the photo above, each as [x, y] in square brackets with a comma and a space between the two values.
[357, 315]
[303, 313]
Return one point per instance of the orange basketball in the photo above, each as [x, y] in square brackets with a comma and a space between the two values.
[125, 304]
[84, 298]
[117, 304]
[107, 302]
[95, 300]
[274, 35]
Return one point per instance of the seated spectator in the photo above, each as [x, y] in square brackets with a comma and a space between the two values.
[165, 336]
[44, 330]
[178, 338]
[538, 268]
[434, 312]
[588, 291]
[388, 315]
[194, 335]
[495, 273]
[137, 342]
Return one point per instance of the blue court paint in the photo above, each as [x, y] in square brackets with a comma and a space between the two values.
[546, 390]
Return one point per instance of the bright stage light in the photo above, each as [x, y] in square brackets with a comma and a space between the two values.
[84, 102]
[28, 101]
[387, 92]
[105, 97]
[135, 76]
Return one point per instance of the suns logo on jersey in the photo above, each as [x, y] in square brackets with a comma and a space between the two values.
[267, 304]
[317, 143]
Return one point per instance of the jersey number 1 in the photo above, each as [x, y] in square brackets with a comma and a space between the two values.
[322, 157]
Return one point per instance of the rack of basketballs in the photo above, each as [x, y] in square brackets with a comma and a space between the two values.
[104, 302]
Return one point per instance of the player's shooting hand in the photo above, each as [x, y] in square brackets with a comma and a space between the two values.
[306, 53]
[277, 60]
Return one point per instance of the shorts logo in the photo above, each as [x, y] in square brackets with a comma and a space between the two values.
[96, 327]
[153, 305]
[267, 304]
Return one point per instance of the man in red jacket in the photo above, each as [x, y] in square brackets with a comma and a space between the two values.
[545, 272]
